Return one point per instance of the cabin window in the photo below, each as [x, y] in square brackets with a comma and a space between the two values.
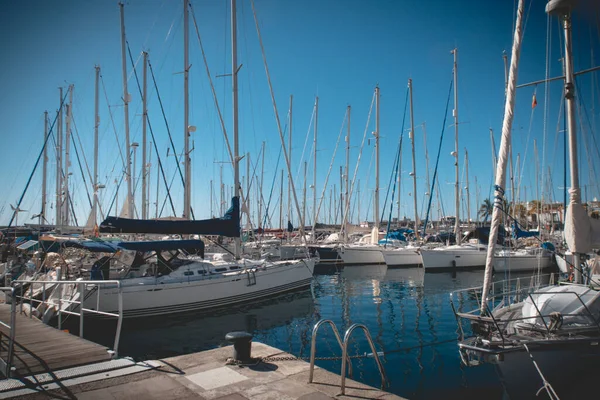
[188, 273]
[220, 269]
[201, 272]
[234, 267]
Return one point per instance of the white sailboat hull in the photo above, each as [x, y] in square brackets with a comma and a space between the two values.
[150, 296]
[454, 257]
[361, 255]
[522, 262]
[401, 257]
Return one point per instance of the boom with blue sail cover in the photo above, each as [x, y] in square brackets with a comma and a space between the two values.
[228, 225]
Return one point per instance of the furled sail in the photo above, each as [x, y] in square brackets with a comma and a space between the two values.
[582, 233]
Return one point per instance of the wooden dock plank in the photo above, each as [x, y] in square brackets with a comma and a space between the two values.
[41, 348]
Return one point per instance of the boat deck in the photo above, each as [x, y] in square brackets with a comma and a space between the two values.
[41, 348]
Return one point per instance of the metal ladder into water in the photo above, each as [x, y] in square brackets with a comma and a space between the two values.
[344, 347]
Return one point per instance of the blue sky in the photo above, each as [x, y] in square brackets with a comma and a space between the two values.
[338, 50]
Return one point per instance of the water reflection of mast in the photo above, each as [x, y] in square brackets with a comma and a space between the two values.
[420, 292]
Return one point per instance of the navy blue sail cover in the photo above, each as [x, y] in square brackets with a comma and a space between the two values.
[96, 246]
[228, 225]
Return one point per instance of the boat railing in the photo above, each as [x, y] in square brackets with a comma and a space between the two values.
[6, 363]
[555, 322]
[82, 291]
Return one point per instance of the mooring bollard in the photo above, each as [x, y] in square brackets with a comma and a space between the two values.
[242, 345]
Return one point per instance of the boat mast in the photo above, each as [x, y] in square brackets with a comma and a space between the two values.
[67, 156]
[289, 210]
[187, 193]
[347, 184]
[467, 187]
[304, 196]
[281, 203]
[144, 138]
[315, 168]
[96, 126]
[455, 113]
[44, 171]
[126, 98]
[260, 187]
[428, 191]
[575, 210]
[59, 140]
[376, 133]
[505, 142]
[414, 162]
[236, 160]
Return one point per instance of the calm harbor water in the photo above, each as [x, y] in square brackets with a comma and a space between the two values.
[405, 310]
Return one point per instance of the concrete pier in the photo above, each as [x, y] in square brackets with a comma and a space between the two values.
[205, 376]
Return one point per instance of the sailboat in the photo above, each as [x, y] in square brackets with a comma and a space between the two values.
[162, 277]
[367, 250]
[467, 255]
[543, 338]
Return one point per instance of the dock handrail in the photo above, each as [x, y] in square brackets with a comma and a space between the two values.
[79, 303]
[313, 346]
[373, 349]
[6, 365]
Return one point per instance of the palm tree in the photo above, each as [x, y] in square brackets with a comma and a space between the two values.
[485, 210]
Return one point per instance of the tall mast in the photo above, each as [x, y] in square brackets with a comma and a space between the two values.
[144, 139]
[96, 126]
[505, 141]
[289, 204]
[467, 188]
[44, 173]
[428, 183]
[376, 208]
[67, 156]
[234, 70]
[59, 140]
[315, 168]
[260, 187]
[281, 203]
[187, 190]
[414, 162]
[126, 96]
[455, 113]
[575, 210]
[304, 196]
[347, 183]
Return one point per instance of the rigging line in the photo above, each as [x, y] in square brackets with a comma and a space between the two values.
[162, 109]
[592, 171]
[214, 93]
[317, 212]
[38, 160]
[526, 145]
[587, 116]
[168, 186]
[154, 139]
[301, 161]
[82, 150]
[438, 158]
[212, 87]
[112, 121]
[397, 167]
[279, 130]
[345, 218]
[264, 223]
[546, 100]
[80, 166]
